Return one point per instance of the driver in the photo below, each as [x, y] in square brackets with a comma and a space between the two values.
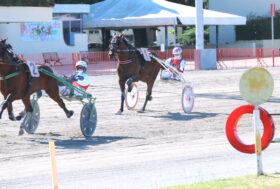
[79, 79]
[176, 62]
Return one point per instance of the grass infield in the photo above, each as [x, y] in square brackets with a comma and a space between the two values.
[268, 181]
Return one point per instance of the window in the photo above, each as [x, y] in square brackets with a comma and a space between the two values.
[72, 23]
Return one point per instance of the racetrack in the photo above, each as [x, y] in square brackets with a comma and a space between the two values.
[161, 147]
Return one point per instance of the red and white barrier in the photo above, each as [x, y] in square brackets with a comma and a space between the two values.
[227, 58]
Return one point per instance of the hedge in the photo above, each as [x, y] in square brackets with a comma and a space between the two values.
[32, 3]
[258, 28]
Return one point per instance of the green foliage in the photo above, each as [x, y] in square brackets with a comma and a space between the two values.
[190, 2]
[188, 36]
[77, 1]
[41, 3]
[258, 28]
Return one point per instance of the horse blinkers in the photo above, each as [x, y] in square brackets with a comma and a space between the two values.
[114, 46]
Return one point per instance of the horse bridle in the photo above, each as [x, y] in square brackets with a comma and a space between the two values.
[7, 48]
[4, 49]
[115, 45]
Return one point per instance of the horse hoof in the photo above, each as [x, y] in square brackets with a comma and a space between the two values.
[12, 118]
[21, 115]
[70, 113]
[141, 111]
[39, 94]
[19, 118]
[129, 89]
[21, 132]
[118, 113]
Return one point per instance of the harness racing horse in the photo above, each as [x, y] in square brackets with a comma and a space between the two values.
[15, 87]
[132, 67]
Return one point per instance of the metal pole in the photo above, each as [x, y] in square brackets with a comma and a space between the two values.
[217, 36]
[174, 31]
[166, 40]
[258, 147]
[272, 32]
[272, 38]
[199, 26]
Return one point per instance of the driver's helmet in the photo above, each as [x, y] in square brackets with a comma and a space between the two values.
[81, 65]
[177, 51]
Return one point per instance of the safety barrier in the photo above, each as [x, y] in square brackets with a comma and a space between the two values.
[98, 62]
[227, 58]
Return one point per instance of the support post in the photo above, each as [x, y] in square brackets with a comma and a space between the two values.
[273, 13]
[175, 41]
[199, 26]
[258, 146]
[217, 36]
[166, 37]
[53, 163]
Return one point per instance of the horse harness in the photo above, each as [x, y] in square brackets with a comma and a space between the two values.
[17, 62]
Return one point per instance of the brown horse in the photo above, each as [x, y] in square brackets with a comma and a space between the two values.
[19, 86]
[132, 67]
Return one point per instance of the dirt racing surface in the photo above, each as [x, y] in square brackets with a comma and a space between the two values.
[158, 148]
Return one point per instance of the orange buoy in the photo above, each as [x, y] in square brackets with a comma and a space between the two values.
[231, 128]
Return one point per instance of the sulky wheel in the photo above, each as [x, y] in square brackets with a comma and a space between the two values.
[187, 99]
[33, 122]
[131, 98]
[88, 119]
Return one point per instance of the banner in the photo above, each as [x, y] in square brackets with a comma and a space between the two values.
[45, 31]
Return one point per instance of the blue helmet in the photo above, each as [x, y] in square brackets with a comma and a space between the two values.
[177, 50]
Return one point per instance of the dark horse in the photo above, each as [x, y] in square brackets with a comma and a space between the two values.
[132, 67]
[22, 85]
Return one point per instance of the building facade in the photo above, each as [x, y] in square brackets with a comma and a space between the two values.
[238, 7]
[61, 32]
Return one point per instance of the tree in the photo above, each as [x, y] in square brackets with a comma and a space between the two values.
[188, 35]
[190, 2]
[77, 1]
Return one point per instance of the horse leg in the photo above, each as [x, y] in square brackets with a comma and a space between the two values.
[148, 93]
[6, 103]
[129, 82]
[148, 97]
[122, 87]
[54, 94]
[11, 113]
[29, 110]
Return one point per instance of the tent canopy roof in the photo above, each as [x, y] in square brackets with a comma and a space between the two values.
[151, 13]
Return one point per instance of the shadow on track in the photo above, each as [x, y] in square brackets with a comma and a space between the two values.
[185, 117]
[81, 142]
[218, 96]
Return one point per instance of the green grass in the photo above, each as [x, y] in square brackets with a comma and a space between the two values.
[270, 181]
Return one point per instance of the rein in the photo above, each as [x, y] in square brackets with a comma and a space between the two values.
[125, 61]
[10, 75]
[126, 50]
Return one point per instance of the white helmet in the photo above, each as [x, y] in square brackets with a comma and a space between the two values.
[177, 50]
[81, 63]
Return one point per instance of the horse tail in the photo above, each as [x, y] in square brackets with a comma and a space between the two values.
[156, 55]
[39, 93]
[142, 60]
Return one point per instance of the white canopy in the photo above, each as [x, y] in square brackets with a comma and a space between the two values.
[151, 13]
